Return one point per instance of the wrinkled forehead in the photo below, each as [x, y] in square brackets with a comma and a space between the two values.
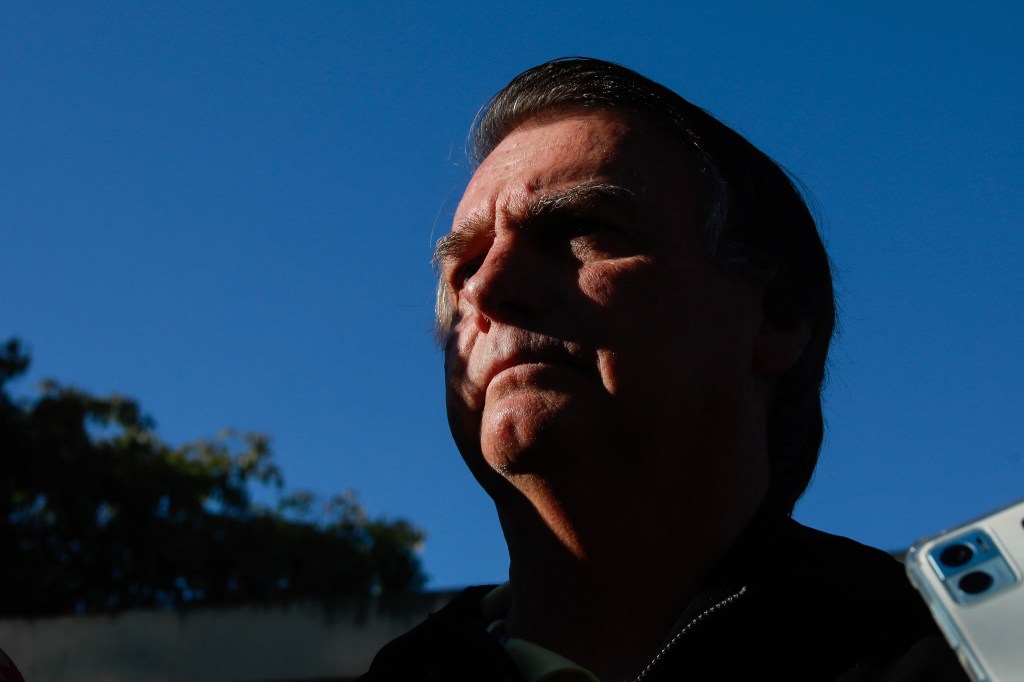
[550, 155]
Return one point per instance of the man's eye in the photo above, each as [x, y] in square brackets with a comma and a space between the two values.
[593, 238]
[582, 227]
[593, 232]
[462, 273]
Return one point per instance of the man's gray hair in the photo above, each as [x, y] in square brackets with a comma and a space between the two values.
[754, 225]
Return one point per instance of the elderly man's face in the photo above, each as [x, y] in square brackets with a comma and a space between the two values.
[592, 340]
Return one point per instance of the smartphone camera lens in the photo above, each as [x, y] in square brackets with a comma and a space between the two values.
[976, 582]
[956, 555]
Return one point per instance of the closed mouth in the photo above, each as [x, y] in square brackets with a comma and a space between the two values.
[554, 355]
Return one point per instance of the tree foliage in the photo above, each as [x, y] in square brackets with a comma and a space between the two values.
[98, 514]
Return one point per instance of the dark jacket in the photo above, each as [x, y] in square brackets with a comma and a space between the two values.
[786, 603]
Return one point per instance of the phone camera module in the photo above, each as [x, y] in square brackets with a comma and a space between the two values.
[976, 582]
[972, 567]
[956, 555]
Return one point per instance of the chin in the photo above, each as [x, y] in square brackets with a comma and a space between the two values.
[517, 425]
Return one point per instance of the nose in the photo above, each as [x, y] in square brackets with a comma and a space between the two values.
[510, 286]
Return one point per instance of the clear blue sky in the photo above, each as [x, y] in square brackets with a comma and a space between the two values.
[226, 210]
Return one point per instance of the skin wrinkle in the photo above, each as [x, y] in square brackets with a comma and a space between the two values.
[452, 245]
[477, 227]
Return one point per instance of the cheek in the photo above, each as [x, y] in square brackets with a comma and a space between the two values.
[617, 292]
[663, 332]
[635, 325]
[457, 350]
[463, 417]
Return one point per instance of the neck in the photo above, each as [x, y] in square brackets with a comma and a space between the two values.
[604, 587]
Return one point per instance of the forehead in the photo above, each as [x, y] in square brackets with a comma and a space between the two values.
[548, 156]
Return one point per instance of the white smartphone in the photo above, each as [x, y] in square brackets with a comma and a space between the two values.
[972, 579]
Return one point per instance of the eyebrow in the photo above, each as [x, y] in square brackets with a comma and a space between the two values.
[460, 239]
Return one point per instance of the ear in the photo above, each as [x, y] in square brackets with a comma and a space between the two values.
[776, 350]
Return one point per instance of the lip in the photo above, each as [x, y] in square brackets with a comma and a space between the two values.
[522, 368]
[548, 355]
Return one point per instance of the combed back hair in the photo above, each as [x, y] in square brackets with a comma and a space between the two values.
[754, 225]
